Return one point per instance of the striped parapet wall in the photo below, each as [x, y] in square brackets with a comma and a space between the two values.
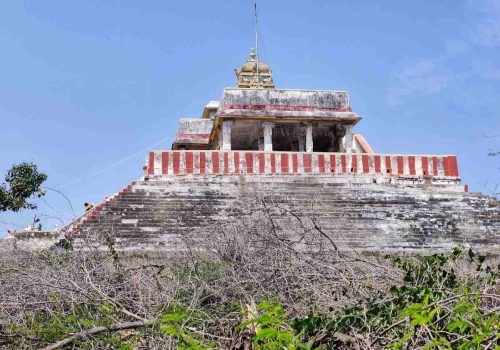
[165, 163]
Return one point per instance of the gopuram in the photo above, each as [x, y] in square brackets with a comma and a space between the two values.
[295, 149]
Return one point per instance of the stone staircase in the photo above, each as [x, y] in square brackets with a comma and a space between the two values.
[356, 212]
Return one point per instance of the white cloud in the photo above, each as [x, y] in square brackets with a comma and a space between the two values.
[421, 79]
[431, 76]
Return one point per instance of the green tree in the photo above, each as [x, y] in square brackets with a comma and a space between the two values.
[22, 182]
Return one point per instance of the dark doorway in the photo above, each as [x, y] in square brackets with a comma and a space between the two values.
[245, 136]
[286, 137]
[323, 139]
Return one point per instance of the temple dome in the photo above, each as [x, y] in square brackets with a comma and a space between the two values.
[254, 74]
[250, 66]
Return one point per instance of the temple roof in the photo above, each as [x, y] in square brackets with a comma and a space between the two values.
[286, 103]
[193, 132]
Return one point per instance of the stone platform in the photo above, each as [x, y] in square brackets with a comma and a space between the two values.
[30, 240]
[365, 212]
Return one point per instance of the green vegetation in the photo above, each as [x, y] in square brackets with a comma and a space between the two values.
[22, 182]
[431, 310]
[442, 301]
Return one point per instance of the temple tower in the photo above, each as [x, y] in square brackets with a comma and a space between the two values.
[254, 74]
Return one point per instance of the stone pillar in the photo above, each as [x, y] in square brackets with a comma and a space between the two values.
[226, 135]
[338, 137]
[339, 147]
[302, 146]
[261, 142]
[348, 139]
[268, 136]
[309, 138]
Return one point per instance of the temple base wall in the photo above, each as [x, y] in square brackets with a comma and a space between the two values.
[355, 212]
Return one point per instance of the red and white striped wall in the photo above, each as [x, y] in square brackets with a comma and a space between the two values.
[89, 216]
[256, 162]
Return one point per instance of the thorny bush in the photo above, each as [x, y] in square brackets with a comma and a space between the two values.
[253, 286]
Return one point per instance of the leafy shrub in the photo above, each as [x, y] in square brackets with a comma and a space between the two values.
[434, 308]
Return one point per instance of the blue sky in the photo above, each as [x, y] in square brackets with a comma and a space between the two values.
[87, 86]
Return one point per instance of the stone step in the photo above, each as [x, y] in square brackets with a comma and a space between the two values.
[367, 216]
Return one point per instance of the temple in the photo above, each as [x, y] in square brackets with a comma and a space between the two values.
[255, 116]
[264, 130]
[293, 151]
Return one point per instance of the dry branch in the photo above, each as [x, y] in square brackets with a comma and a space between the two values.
[96, 330]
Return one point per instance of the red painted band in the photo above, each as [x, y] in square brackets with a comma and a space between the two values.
[215, 162]
[295, 163]
[176, 160]
[321, 163]
[378, 168]
[236, 156]
[400, 162]
[151, 163]
[164, 163]
[425, 166]
[453, 163]
[273, 163]
[388, 165]
[366, 163]
[446, 167]
[306, 159]
[203, 163]
[262, 163]
[249, 162]
[332, 163]
[189, 162]
[284, 163]
[411, 165]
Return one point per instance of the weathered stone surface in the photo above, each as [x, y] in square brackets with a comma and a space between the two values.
[389, 216]
[286, 103]
[193, 131]
[30, 240]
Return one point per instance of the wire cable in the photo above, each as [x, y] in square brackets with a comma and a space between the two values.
[72, 182]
